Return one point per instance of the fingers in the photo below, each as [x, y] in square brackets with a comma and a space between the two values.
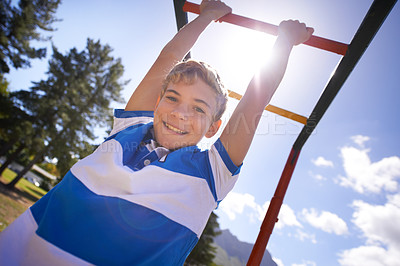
[215, 9]
[295, 31]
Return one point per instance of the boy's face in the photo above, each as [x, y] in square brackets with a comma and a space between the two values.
[185, 114]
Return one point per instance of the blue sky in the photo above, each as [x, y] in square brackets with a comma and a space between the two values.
[343, 202]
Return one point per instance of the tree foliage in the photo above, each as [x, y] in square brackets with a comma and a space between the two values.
[204, 251]
[73, 100]
[14, 122]
[21, 25]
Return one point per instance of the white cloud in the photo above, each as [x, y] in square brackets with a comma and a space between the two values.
[317, 177]
[305, 263]
[379, 227]
[301, 235]
[379, 223]
[321, 161]
[326, 221]
[360, 139]
[369, 256]
[364, 176]
[287, 217]
[278, 262]
[236, 203]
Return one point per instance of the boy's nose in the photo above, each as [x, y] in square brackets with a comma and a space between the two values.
[181, 112]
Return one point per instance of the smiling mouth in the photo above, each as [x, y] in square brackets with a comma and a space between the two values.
[174, 129]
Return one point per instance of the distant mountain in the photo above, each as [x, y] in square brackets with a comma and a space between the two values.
[233, 252]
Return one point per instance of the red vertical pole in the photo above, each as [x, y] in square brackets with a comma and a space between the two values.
[272, 214]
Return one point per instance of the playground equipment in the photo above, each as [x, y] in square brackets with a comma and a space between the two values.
[352, 53]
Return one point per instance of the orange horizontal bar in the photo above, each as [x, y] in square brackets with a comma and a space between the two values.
[277, 110]
[314, 41]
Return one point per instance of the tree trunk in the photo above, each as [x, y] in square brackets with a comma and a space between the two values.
[21, 174]
[11, 158]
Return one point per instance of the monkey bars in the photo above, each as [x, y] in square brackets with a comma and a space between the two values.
[315, 41]
[275, 109]
[370, 25]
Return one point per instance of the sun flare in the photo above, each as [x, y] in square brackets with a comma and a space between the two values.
[249, 50]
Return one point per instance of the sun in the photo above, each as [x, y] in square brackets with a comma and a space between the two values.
[249, 50]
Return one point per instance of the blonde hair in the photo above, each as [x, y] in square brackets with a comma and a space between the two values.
[189, 71]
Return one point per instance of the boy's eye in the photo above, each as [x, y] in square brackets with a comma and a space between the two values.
[171, 98]
[199, 110]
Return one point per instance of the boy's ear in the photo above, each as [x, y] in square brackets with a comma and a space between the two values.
[213, 128]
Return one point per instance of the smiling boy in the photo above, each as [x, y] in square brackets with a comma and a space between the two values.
[145, 195]
[192, 103]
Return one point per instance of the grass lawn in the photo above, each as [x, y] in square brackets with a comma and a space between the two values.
[14, 202]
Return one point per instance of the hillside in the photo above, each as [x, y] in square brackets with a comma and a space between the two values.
[233, 252]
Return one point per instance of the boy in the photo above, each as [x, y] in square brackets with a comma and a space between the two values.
[145, 195]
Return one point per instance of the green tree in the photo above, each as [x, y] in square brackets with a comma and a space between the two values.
[15, 125]
[3, 86]
[204, 252]
[5, 113]
[74, 99]
[19, 26]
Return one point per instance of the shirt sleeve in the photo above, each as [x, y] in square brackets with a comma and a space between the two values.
[225, 172]
[124, 119]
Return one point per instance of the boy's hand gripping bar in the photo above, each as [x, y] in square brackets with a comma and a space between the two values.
[314, 41]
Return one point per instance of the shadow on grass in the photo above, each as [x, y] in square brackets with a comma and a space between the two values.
[18, 194]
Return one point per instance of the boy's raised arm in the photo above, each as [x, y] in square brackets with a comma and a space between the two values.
[145, 96]
[240, 130]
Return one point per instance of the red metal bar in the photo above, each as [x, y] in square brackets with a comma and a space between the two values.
[314, 41]
[273, 210]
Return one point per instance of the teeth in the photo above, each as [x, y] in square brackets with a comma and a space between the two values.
[174, 129]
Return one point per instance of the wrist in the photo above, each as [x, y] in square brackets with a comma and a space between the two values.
[285, 41]
[207, 17]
